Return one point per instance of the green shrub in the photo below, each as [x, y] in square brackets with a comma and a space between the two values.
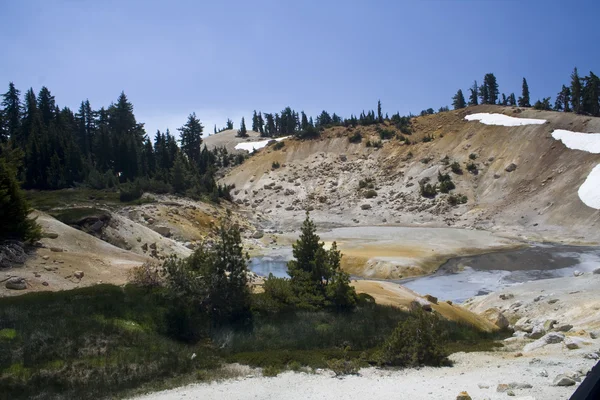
[426, 160]
[369, 194]
[130, 192]
[427, 189]
[446, 183]
[455, 167]
[427, 138]
[473, 156]
[278, 145]
[275, 165]
[367, 183]
[472, 167]
[385, 133]
[455, 199]
[416, 341]
[356, 137]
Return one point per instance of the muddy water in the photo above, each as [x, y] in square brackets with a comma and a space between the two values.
[463, 277]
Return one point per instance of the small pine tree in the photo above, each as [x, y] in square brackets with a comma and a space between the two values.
[242, 132]
[458, 101]
[524, 99]
[576, 92]
[379, 115]
[512, 101]
[473, 98]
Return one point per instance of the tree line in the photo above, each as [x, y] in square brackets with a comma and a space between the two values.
[104, 147]
[581, 96]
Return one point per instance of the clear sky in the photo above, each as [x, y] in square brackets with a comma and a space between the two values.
[226, 58]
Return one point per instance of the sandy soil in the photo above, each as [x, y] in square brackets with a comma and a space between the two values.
[470, 371]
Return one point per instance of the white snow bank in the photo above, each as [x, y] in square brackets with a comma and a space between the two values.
[589, 142]
[589, 192]
[503, 120]
[250, 146]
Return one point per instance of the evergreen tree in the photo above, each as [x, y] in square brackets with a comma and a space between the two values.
[304, 124]
[504, 100]
[512, 101]
[179, 175]
[14, 209]
[591, 95]
[242, 132]
[313, 269]
[229, 125]
[46, 105]
[576, 92]
[12, 113]
[563, 98]
[261, 124]
[524, 99]
[270, 128]
[191, 138]
[379, 116]
[489, 90]
[473, 98]
[543, 104]
[255, 122]
[458, 101]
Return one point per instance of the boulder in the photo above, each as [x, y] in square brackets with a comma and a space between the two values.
[523, 324]
[463, 396]
[431, 298]
[506, 296]
[257, 235]
[563, 380]
[594, 334]
[97, 226]
[162, 230]
[496, 317]
[577, 273]
[16, 283]
[365, 207]
[420, 302]
[56, 249]
[78, 274]
[563, 327]
[573, 343]
[50, 235]
[510, 167]
[537, 332]
[549, 338]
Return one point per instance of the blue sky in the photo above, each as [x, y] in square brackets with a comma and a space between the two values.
[226, 58]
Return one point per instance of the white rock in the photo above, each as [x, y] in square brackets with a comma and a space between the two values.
[563, 380]
[549, 338]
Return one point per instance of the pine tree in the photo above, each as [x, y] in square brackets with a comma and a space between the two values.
[489, 89]
[563, 98]
[504, 100]
[14, 209]
[379, 116]
[473, 98]
[242, 132]
[255, 122]
[12, 113]
[458, 101]
[576, 92]
[591, 95]
[229, 124]
[261, 124]
[191, 138]
[512, 101]
[484, 95]
[524, 99]
[179, 175]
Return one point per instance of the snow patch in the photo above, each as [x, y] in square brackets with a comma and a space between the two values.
[503, 120]
[589, 192]
[589, 142]
[250, 146]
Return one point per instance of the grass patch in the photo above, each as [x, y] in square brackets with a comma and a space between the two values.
[8, 334]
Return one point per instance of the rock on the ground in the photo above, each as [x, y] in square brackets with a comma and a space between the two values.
[12, 252]
[549, 338]
[463, 396]
[510, 167]
[78, 274]
[563, 380]
[162, 230]
[257, 235]
[431, 298]
[16, 283]
[537, 332]
[420, 302]
[496, 317]
[563, 327]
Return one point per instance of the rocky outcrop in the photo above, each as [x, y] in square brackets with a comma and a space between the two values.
[496, 317]
[12, 252]
[16, 283]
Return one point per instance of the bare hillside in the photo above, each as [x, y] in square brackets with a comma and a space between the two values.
[525, 183]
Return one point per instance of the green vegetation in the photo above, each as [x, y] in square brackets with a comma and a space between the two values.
[427, 138]
[446, 183]
[455, 167]
[14, 208]
[427, 189]
[472, 167]
[385, 133]
[456, 199]
[278, 145]
[275, 165]
[356, 137]
[426, 160]
[367, 183]
[473, 156]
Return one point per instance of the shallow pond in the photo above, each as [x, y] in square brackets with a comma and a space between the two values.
[463, 277]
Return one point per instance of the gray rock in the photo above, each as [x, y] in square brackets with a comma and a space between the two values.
[563, 328]
[552, 301]
[365, 207]
[97, 226]
[549, 338]
[511, 167]
[563, 380]
[496, 317]
[162, 230]
[597, 271]
[577, 273]
[537, 332]
[78, 274]
[594, 334]
[258, 235]
[16, 283]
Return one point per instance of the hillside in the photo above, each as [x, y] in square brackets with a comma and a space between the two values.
[536, 201]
